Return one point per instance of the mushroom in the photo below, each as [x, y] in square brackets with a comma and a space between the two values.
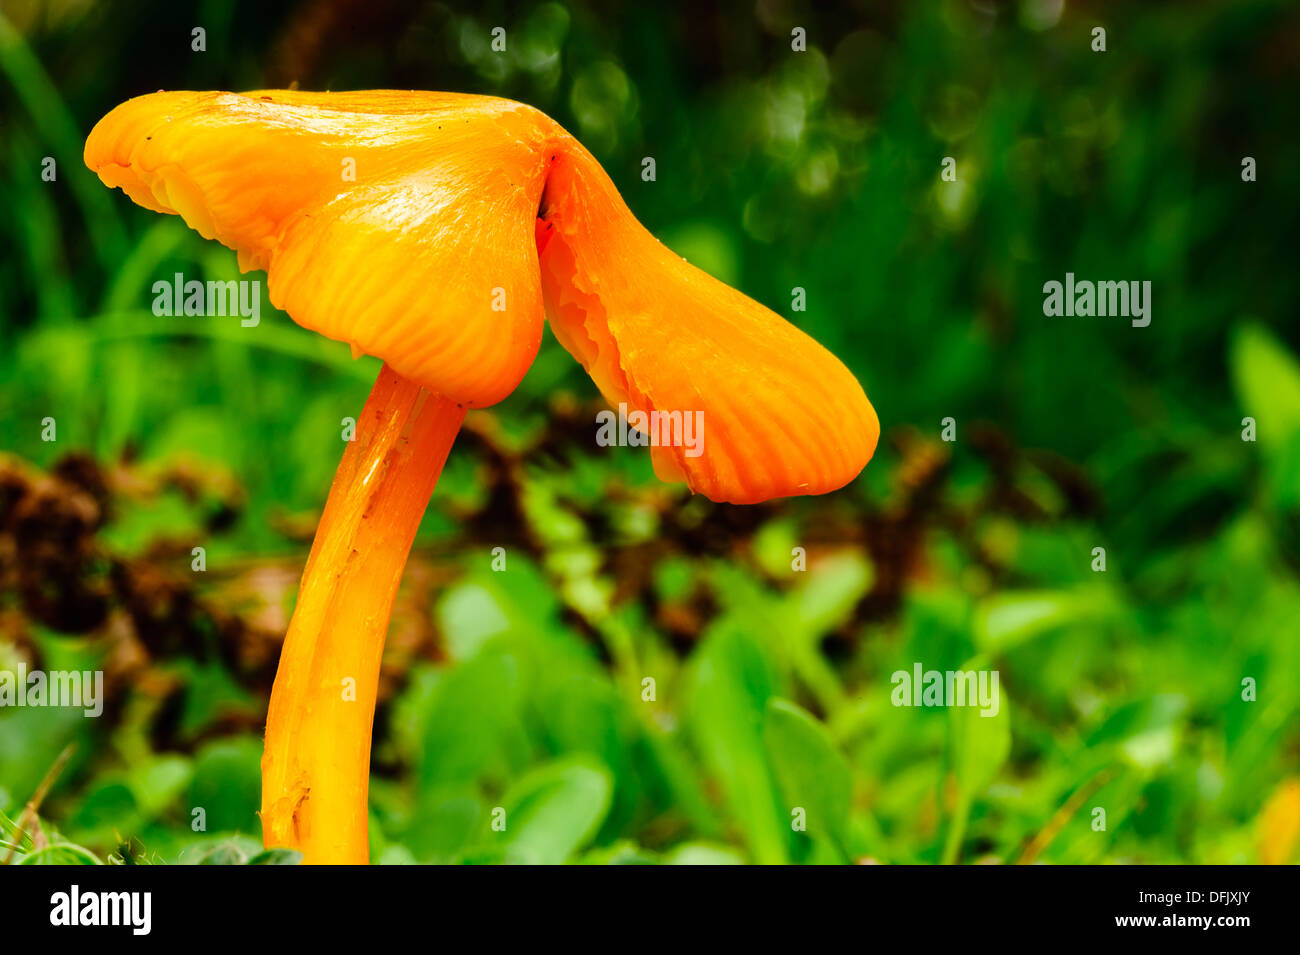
[468, 220]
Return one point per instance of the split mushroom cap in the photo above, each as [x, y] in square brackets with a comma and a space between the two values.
[781, 415]
[469, 220]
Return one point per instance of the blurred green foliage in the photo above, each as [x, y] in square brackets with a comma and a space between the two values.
[525, 690]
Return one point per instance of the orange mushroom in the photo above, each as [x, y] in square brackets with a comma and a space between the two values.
[467, 220]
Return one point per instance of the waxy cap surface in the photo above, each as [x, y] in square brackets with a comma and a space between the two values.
[466, 215]
[780, 414]
[425, 259]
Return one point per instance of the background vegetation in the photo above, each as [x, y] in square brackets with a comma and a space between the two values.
[523, 689]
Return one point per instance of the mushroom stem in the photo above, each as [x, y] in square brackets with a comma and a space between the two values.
[316, 763]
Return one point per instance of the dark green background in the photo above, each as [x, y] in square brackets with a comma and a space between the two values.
[1121, 690]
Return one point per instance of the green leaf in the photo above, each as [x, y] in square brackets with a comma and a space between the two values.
[1146, 732]
[979, 742]
[979, 745]
[157, 782]
[811, 773]
[703, 853]
[1267, 379]
[467, 717]
[227, 853]
[470, 615]
[1008, 619]
[829, 592]
[445, 824]
[554, 810]
[227, 784]
[107, 806]
[277, 857]
[64, 854]
[620, 853]
[729, 685]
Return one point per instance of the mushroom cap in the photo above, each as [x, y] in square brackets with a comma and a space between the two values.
[399, 222]
[465, 215]
[779, 414]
